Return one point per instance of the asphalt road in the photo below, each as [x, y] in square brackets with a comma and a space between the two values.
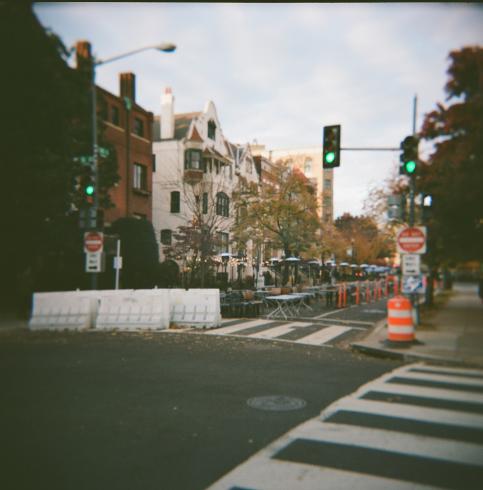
[153, 411]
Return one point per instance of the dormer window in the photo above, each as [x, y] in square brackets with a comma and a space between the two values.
[211, 130]
[192, 159]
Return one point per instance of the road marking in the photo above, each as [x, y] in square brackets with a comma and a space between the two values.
[404, 411]
[355, 322]
[239, 327]
[273, 332]
[442, 378]
[323, 336]
[296, 460]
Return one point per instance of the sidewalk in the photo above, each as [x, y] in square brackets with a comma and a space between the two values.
[450, 332]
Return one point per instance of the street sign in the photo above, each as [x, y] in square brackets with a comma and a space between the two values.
[93, 241]
[94, 262]
[411, 240]
[413, 284]
[117, 262]
[411, 264]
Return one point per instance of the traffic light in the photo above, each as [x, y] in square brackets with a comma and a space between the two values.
[409, 155]
[87, 185]
[331, 147]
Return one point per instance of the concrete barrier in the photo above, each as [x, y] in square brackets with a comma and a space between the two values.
[134, 310]
[126, 309]
[62, 310]
[198, 308]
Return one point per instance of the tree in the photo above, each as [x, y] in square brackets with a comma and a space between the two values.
[454, 174]
[198, 240]
[139, 252]
[283, 212]
[47, 106]
[363, 237]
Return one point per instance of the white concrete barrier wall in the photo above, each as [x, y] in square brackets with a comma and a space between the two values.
[62, 310]
[126, 309]
[195, 307]
[134, 310]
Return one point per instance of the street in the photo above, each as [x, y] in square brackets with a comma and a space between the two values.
[419, 425]
[120, 410]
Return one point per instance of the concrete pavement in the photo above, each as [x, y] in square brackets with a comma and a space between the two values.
[450, 332]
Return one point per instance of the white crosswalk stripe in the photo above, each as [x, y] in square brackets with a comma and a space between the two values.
[397, 442]
[321, 337]
[236, 328]
[275, 332]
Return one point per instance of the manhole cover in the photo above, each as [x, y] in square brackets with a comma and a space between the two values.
[276, 403]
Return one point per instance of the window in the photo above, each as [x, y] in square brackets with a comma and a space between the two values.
[175, 202]
[192, 159]
[140, 177]
[222, 204]
[115, 119]
[138, 127]
[327, 184]
[166, 237]
[205, 203]
[211, 130]
[327, 202]
[222, 241]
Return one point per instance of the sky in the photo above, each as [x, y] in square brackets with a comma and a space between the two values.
[278, 73]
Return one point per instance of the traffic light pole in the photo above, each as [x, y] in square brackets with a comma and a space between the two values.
[95, 202]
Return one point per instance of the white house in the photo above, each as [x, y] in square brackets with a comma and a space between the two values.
[196, 171]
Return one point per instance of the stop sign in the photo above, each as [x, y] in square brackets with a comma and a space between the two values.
[93, 241]
[412, 240]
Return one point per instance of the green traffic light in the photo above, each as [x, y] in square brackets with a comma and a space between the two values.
[89, 190]
[330, 157]
[410, 166]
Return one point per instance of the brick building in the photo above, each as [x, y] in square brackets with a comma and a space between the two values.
[128, 128]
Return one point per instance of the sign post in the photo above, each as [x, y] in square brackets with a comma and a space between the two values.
[411, 240]
[93, 246]
[411, 264]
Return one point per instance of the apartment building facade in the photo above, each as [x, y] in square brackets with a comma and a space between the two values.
[128, 128]
[309, 162]
[197, 172]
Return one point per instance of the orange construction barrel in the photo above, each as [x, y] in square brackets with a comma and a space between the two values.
[400, 326]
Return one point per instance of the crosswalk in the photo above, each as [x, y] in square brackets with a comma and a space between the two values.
[299, 332]
[417, 427]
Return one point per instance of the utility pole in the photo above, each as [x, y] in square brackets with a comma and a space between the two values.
[412, 192]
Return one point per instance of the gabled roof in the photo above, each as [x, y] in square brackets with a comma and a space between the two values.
[182, 124]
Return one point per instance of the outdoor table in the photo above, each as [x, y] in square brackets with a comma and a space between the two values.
[303, 304]
[285, 305]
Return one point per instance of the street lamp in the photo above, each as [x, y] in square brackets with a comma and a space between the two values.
[165, 47]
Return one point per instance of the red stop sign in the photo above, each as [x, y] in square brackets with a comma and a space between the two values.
[412, 240]
[93, 241]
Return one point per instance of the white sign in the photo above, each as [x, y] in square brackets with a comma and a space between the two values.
[94, 262]
[411, 264]
[117, 262]
[411, 240]
[413, 284]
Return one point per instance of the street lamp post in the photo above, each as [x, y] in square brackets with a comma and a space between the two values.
[164, 47]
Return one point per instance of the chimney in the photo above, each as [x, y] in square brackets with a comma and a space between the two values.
[83, 55]
[127, 84]
[167, 114]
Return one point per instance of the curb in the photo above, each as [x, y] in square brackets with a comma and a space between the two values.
[376, 348]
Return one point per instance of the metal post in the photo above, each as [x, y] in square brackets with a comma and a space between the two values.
[118, 254]
[412, 191]
[94, 155]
